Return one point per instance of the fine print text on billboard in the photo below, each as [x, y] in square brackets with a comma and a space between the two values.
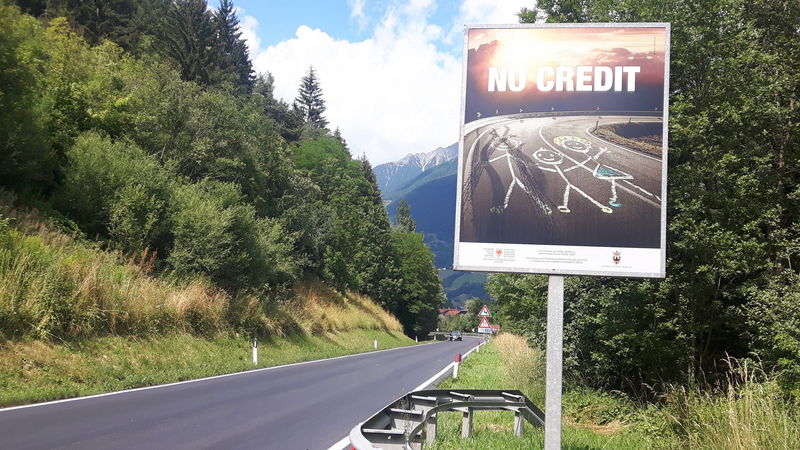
[562, 163]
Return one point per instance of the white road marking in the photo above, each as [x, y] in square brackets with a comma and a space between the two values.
[345, 441]
[159, 386]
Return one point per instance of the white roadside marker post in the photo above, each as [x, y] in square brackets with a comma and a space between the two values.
[255, 352]
[375, 343]
[555, 342]
[455, 366]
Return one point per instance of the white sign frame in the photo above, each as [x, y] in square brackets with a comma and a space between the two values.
[563, 259]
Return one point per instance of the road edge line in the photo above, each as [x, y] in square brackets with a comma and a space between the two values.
[196, 380]
[345, 441]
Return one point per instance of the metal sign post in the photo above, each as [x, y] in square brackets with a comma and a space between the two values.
[511, 143]
[555, 341]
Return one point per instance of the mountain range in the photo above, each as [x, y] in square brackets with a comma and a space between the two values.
[427, 182]
[394, 175]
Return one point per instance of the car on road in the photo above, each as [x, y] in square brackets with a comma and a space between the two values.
[454, 336]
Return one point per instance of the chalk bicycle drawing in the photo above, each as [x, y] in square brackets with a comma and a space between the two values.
[556, 160]
[590, 164]
[510, 148]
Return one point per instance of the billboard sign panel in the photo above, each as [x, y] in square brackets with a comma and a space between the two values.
[562, 158]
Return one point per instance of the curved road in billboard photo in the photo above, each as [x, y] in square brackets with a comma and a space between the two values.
[550, 181]
[302, 406]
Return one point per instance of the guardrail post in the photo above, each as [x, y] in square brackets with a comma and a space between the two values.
[518, 423]
[430, 429]
[466, 424]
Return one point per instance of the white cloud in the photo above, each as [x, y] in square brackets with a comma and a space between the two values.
[492, 11]
[391, 94]
[474, 12]
[248, 25]
[394, 93]
[357, 12]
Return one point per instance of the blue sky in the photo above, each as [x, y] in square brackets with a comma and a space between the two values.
[390, 70]
[278, 20]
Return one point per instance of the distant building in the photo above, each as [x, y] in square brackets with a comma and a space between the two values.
[450, 312]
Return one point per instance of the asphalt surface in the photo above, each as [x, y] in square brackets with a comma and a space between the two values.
[305, 406]
[549, 181]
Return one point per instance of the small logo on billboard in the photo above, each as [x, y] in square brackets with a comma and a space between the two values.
[616, 256]
[499, 252]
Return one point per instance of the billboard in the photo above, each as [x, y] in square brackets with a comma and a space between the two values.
[563, 149]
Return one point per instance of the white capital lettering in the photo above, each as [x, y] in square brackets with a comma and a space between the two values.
[541, 83]
[497, 79]
[603, 78]
[584, 78]
[564, 78]
[631, 71]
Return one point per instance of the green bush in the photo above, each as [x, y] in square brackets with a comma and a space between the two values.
[112, 189]
[137, 218]
[217, 235]
[27, 162]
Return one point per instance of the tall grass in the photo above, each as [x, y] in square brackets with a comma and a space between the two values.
[319, 308]
[53, 286]
[524, 365]
[749, 411]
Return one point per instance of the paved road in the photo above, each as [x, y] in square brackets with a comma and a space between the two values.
[540, 180]
[305, 406]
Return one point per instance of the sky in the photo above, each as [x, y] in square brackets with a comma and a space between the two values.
[390, 70]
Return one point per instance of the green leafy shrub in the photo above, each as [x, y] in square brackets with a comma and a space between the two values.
[218, 236]
[112, 189]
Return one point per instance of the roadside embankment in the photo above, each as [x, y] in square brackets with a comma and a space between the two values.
[751, 412]
[76, 319]
[644, 137]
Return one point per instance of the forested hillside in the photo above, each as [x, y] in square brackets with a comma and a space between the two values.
[139, 128]
[732, 287]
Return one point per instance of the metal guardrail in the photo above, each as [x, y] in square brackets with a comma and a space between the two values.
[404, 423]
[435, 334]
[472, 125]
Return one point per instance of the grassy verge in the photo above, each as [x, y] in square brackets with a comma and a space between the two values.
[514, 365]
[36, 370]
[630, 136]
[750, 414]
[54, 286]
[76, 319]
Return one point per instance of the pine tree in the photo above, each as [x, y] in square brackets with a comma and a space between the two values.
[235, 57]
[188, 38]
[309, 100]
[404, 220]
[288, 118]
